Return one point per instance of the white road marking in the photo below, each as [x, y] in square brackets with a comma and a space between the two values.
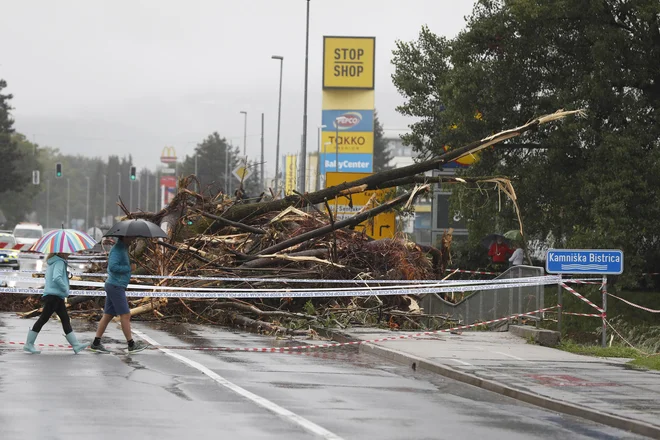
[511, 356]
[265, 403]
[462, 362]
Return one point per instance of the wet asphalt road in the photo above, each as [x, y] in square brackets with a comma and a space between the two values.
[187, 394]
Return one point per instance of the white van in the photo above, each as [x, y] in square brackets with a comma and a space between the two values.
[28, 233]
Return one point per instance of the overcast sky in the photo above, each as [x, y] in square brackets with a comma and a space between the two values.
[129, 77]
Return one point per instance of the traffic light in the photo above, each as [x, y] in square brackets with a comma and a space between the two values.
[58, 170]
[133, 177]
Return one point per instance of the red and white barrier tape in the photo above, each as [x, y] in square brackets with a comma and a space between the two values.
[582, 282]
[316, 346]
[472, 271]
[589, 315]
[581, 297]
[633, 304]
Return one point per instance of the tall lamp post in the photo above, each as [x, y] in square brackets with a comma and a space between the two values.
[318, 158]
[105, 189]
[279, 118]
[304, 135]
[118, 189]
[68, 198]
[87, 206]
[244, 133]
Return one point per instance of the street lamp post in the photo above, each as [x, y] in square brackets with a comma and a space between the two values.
[318, 158]
[68, 199]
[279, 118]
[105, 189]
[139, 194]
[87, 206]
[146, 196]
[226, 169]
[337, 145]
[244, 133]
[48, 203]
[304, 140]
[118, 189]
[261, 177]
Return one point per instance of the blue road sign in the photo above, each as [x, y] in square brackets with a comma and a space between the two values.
[587, 261]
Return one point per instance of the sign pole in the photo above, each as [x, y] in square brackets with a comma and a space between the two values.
[604, 289]
[560, 303]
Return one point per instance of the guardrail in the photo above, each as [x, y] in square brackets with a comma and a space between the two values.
[483, 305]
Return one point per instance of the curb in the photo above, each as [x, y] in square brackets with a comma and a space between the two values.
[560, 406]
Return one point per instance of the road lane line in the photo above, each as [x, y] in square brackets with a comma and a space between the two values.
[511, 356]
[264, 403]
[461, 362]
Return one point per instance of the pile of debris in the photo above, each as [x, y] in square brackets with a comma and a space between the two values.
[297, 237]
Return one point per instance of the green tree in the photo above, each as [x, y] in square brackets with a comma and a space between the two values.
[212, 154]
[382, 154]
[18, 203]
[11, 178]
[588, 182]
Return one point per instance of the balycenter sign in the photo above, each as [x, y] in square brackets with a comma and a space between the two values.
[348, 62]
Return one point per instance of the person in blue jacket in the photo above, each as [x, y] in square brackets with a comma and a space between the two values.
[116, 304]
[55, 291]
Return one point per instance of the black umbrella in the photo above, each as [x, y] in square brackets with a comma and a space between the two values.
[136, 228]
[490, 238]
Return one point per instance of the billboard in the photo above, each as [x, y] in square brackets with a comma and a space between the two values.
[168, 189]
[360, 163]
[290, 174]
[348, 62]
[348, 120]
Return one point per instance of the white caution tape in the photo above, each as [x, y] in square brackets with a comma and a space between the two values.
[273, 293]
[546, 279]
[456, 286]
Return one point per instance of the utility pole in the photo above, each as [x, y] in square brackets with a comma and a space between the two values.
[87, 205]
[262, 154]
[304, 140]
[48, 203]
[139, 194]
[118, 189]
[146, 196]
[68, 198]
[105, 190]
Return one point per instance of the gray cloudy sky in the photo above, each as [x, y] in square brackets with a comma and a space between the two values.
[129, 77]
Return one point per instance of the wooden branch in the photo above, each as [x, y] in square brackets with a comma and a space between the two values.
[236, 225]
[269, 260]
[174, 248]
[253, 309]
[353, 221]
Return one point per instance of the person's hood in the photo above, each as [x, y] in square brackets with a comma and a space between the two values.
[54, 259]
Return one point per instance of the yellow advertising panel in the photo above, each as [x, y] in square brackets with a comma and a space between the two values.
[348, 62]
[338, 99]
[290, 174]
[348, 142]
[381, 226]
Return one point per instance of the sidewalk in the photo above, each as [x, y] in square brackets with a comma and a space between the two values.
[603, 390]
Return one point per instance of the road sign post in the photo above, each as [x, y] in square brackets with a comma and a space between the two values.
[587, 261]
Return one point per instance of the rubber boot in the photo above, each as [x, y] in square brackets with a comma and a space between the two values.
[77, 346]
[29, 344]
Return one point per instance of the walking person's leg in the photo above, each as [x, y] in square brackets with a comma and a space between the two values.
[108, 313]
[50, 305]
[68, 330]
[120, 302]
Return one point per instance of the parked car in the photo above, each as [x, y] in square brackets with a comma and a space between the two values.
[8, 256]
[28, 233]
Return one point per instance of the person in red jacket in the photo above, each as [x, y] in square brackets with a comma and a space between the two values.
[499, 252]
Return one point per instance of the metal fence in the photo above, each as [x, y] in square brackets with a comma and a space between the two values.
[484, 305]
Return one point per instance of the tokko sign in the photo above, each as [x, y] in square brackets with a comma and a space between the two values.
[348, 62]
[168, 155]
[347, 142]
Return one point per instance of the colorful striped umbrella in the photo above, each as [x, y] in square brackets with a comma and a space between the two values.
[63, 241]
